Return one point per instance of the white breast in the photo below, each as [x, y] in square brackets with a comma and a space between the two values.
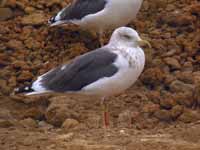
[117, 13]
[122, 80]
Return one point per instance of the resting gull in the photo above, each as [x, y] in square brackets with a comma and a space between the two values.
[103, 72]
[98, 15]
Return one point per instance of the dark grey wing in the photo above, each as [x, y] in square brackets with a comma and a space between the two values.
[81, 8]
[81, 72]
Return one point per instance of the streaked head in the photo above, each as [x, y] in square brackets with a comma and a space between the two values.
[128, 37]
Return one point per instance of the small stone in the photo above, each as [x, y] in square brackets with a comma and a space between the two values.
[172, 62]
[52, 3]
[11, 3]
[65, 137]
[28, 123]
[94, 121]
[167, 103]
[189, 116]
[34, 113]
[58, 111]
[20, 65]
[153, 76]
[124, 117]
[25, 76]
[31, 43]
[15, 45]
[179, 86]
[185, 98]
[4, 88]
[70, 124]
[163, 115]
[154, 96]
[176, 111]
[5, 14]
[34, 19]
[5, 123]
[150, 108]
[29, 10]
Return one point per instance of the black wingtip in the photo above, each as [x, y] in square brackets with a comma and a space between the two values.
[52, 20]
[24, 89]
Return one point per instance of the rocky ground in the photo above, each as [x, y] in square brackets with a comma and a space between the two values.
[161, 111]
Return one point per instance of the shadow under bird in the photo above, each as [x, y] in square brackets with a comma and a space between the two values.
[103, 72]
[98, 16]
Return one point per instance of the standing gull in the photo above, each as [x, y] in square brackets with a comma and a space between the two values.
[103, 72]
[98, 15]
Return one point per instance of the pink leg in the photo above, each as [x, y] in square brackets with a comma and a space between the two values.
[105, 113]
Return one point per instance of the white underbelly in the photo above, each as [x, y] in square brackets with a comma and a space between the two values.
[112, 17]
[116, 84]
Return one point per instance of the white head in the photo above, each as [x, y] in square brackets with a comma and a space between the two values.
[127, 37]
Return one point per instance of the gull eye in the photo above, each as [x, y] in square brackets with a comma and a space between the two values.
[127, 36]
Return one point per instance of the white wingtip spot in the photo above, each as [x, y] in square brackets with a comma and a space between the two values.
[63, 67]
[26, 88]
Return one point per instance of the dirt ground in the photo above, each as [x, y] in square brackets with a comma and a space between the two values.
[159, 112]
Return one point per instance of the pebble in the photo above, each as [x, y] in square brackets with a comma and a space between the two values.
[5, 123]
[172, 62]
[59, 110]
[176, 111]
[163, 115]
[28, 123]
[69, 124]
[179, 86]
[15, 45]
[25, 76]
[5, 14]
[189, 116]
[34, 19]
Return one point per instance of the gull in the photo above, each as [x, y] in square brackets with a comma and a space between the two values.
[103, 72]
[98, 16]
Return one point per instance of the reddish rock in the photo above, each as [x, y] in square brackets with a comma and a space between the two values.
[20, 65]
[189, 116]
[28, 123]
[154, 96]
[34, 19]
[58, 111]
[172, 62]
[163, 115]
[5, 14]
[69, 124]
[167, 102]
[195, 9]
[179, 86]
[15, 45]
[153, 76]
[25, 76]
[35, 113]
[150, 108]
[176, 111]
[31, 43]
[185, 99]
[5, 123]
